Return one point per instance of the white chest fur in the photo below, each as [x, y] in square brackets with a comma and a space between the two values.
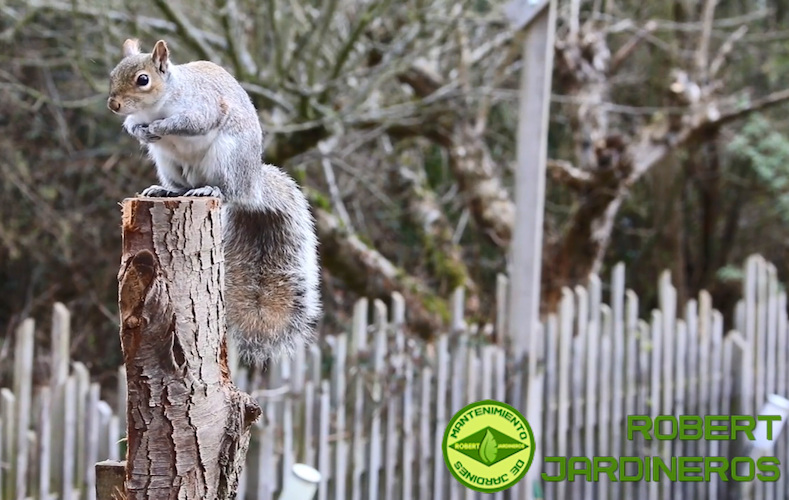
[189, 161]
[190, 150]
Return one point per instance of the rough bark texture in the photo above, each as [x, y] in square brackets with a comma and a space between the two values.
[478, 178]
[188, 426]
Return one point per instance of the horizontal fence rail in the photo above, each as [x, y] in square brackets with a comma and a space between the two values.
[368, 408]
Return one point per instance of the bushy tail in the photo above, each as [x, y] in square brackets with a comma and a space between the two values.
[271, 277]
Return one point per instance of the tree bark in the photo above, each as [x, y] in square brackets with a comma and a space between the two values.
[188, 426]
[490, 203]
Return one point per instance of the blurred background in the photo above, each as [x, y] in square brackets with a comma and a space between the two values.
[668, 146]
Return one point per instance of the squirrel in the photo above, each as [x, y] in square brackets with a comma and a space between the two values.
[202, 131]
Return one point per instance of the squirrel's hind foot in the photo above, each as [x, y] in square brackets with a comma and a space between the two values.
[157, 191]
[205, 191]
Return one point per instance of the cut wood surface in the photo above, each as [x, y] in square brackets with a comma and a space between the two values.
[188, 426]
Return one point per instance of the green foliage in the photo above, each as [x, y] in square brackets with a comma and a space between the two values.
[436, 305]
[435, 167]
[300, 175]
[320, 200]
[447, 271]
[730, 273]
[765, 151]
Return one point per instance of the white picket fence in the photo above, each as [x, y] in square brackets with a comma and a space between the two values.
[52, 435]
[368, 408]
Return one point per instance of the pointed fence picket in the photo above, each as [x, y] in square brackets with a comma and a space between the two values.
[369, 407]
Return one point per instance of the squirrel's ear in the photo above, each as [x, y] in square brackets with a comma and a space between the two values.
[131, 47]
[161, 56]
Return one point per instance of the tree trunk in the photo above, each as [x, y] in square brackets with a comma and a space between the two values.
[188, 426]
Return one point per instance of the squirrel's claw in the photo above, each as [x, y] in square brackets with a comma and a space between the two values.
[157, 191]
[142, 133]
[205, 191]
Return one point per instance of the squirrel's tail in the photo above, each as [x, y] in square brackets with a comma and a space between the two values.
[271, 278]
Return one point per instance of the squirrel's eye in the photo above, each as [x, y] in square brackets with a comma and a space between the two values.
[142, 80]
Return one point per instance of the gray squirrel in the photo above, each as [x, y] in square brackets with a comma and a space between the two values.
[203, 133]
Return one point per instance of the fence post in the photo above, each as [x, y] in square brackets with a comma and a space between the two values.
[109, 480]
[188, 426]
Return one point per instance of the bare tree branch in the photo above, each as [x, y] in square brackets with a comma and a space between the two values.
[689, 27]
[607, 166]
[654, 146]
[371, 274]
[703, 48]
[153, 23]
[626, 50]
[11, 83]
[423, 208]
[187, 30]
[564, 172]
[725, 50]
[243, 63]
[776, 36]
[491, 205]
[774, 99]
[585, 239]
[325, 148]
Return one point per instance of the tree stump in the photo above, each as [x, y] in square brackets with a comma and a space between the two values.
[188, 425]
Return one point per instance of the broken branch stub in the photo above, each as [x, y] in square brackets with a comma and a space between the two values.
[188, 425]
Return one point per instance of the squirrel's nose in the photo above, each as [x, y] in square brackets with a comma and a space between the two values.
[113, 104]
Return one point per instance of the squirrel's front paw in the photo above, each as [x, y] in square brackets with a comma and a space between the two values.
[157, 191]
[143, 133]
[206, 191]
[155, 128]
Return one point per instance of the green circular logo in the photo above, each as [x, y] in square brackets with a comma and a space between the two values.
[488, 446]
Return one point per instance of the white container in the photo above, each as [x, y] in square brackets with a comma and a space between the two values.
[301, 484]
[776, 405]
